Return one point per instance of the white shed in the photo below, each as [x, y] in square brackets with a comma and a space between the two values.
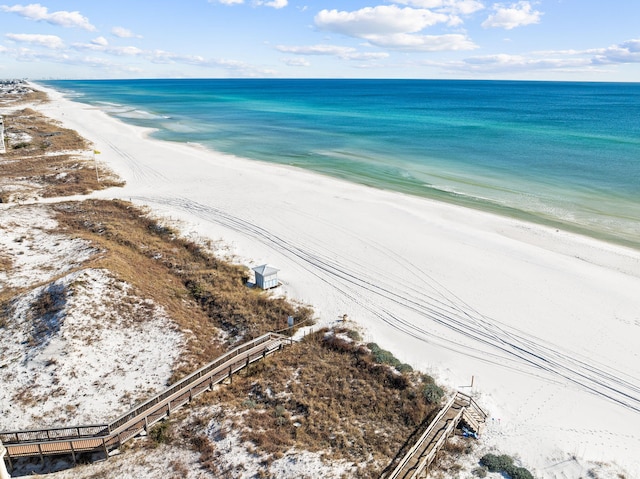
[266, 276]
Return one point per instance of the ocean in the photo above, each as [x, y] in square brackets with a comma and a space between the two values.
[565, 154]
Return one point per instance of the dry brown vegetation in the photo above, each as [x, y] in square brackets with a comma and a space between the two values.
[45, 159]
[201, 293]
[327, 394]
[15, 99]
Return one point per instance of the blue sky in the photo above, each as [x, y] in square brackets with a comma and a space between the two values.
[539, 40]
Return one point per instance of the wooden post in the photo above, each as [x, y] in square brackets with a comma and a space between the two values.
[4, 474]
[95, 161]
[73, 452]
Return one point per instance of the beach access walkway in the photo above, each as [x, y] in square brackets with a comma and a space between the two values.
[74, 440]
[415, 463]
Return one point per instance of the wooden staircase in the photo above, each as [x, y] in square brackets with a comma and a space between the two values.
[461, 408]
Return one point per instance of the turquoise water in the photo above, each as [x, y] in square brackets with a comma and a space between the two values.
[565, 154]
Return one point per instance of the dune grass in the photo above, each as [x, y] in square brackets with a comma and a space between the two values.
[327, 394]
[207, 298]
[45, 159]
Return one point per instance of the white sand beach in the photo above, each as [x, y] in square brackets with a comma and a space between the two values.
[546, 322]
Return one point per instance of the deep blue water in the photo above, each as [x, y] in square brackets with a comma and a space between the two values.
[559, 153]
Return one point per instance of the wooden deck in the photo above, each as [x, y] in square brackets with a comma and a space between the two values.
[415, 463]
[106, 437]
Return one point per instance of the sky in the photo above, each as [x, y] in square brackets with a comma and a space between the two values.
[573, 40]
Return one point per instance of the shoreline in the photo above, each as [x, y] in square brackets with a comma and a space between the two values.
[390, 260]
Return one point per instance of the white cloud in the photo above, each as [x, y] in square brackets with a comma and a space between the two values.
[466, 7]
[122, 32]
[367, 56]
[233, 67]
[101, 41]
[315, 50]
[296, 62]
[423, 43]
[626, 52]
[238, 68]
[277, 4]
[27, 55]
[345, 53]
[422, 3]
[61, 18]
[129, 51]
[504, 62]
[463, 7]
[98, 46]
[515, 15]
[380, 20]
[47, 41]
[273, 3]
[395, 28]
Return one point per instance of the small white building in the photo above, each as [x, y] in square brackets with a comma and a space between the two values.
[266, 276]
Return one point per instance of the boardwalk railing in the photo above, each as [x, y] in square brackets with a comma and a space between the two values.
[106, 437]
[418, 458]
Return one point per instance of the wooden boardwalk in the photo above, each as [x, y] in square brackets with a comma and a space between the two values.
[106, 437]
[415, 463]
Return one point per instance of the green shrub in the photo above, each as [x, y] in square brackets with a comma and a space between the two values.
[496, 463]
[433, 393]
[404, 368]
[520, 473]
[504, 464]
[479, 472]
[249, 403]
[355, 335]
[161, 433]
[382, 356]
